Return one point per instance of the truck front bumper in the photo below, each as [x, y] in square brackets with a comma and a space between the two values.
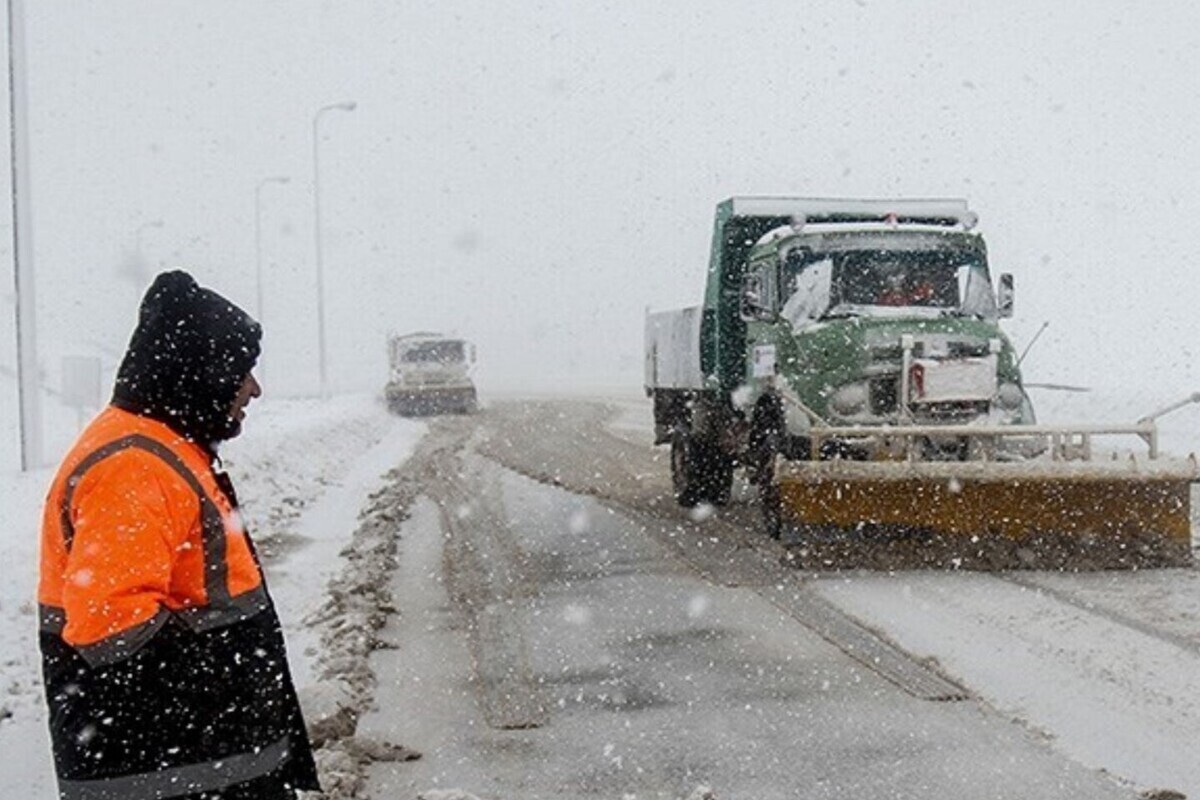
[430, 399]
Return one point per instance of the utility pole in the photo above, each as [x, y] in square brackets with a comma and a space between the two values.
[29, 381]
[316, 139]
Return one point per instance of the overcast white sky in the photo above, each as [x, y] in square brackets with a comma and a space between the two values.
[533, 175]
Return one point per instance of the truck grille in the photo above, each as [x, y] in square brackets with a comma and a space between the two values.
[969, 349]
[962, 412]
[884, 393]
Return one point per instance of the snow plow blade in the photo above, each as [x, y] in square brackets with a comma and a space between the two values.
[986, 515]
[426, 402]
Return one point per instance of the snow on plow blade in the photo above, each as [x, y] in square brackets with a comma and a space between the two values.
[1044, 514]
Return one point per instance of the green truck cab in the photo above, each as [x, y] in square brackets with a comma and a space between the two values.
[831, 313]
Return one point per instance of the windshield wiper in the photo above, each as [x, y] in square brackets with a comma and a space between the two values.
[965, 314]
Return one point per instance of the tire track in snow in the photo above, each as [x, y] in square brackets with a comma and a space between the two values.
[721, 548]
[488, 581]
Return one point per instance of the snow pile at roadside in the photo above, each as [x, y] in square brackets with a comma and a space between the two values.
[291, 452]
[356, 608]
[303, 469]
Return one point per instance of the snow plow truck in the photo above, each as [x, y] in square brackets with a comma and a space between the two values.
[429, 374]
[848, 356]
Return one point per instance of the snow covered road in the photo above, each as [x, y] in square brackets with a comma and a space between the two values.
[554, 645]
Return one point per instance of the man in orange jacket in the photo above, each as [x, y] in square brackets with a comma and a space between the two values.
[165, 668]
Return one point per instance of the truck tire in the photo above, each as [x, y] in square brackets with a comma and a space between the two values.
[769, 506]
[766, 439]
[700, 472]
[718, 477]
[769, 439]
[687, 475]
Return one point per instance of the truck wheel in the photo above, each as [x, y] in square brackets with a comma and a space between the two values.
[719, 477]
[769, 504]
[766, 438]
[686, 469]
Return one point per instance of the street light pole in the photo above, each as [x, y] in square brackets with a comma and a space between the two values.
[258, 269]
[346, 106]
[29, 380]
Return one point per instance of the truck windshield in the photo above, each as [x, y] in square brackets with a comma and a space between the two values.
[886, 282]
[433, 352]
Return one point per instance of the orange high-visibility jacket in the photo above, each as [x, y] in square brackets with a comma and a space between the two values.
[136, 529]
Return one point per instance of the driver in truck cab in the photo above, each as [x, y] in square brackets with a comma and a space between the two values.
[900, 289]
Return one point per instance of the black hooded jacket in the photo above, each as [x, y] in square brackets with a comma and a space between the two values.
[187, 359]
[193, 712]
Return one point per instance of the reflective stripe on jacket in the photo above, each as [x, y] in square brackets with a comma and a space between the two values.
[135, 526]
[164, 663]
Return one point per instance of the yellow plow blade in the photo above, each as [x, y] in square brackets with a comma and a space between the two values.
[986, 515]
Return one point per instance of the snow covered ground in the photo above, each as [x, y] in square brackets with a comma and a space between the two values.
[303, 470]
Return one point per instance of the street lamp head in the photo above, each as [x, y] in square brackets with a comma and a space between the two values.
[348, 105]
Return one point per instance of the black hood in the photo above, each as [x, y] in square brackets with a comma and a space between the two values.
[187, 359]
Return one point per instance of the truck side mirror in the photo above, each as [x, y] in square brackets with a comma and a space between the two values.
[752, 305]
[1004, 298]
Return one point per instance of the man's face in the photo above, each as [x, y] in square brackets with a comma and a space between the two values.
[249, 390]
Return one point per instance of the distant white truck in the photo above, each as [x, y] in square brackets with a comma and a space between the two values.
[430, 374]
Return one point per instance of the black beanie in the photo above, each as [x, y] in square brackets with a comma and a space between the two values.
[188, 357]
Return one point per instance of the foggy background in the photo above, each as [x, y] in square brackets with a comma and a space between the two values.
[533, 176]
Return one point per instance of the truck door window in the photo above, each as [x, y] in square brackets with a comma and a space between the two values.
[975, 289]
[754, 302]
[806, 287]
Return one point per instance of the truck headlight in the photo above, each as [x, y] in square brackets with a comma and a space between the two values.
[850, 399]
[1009, 396]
